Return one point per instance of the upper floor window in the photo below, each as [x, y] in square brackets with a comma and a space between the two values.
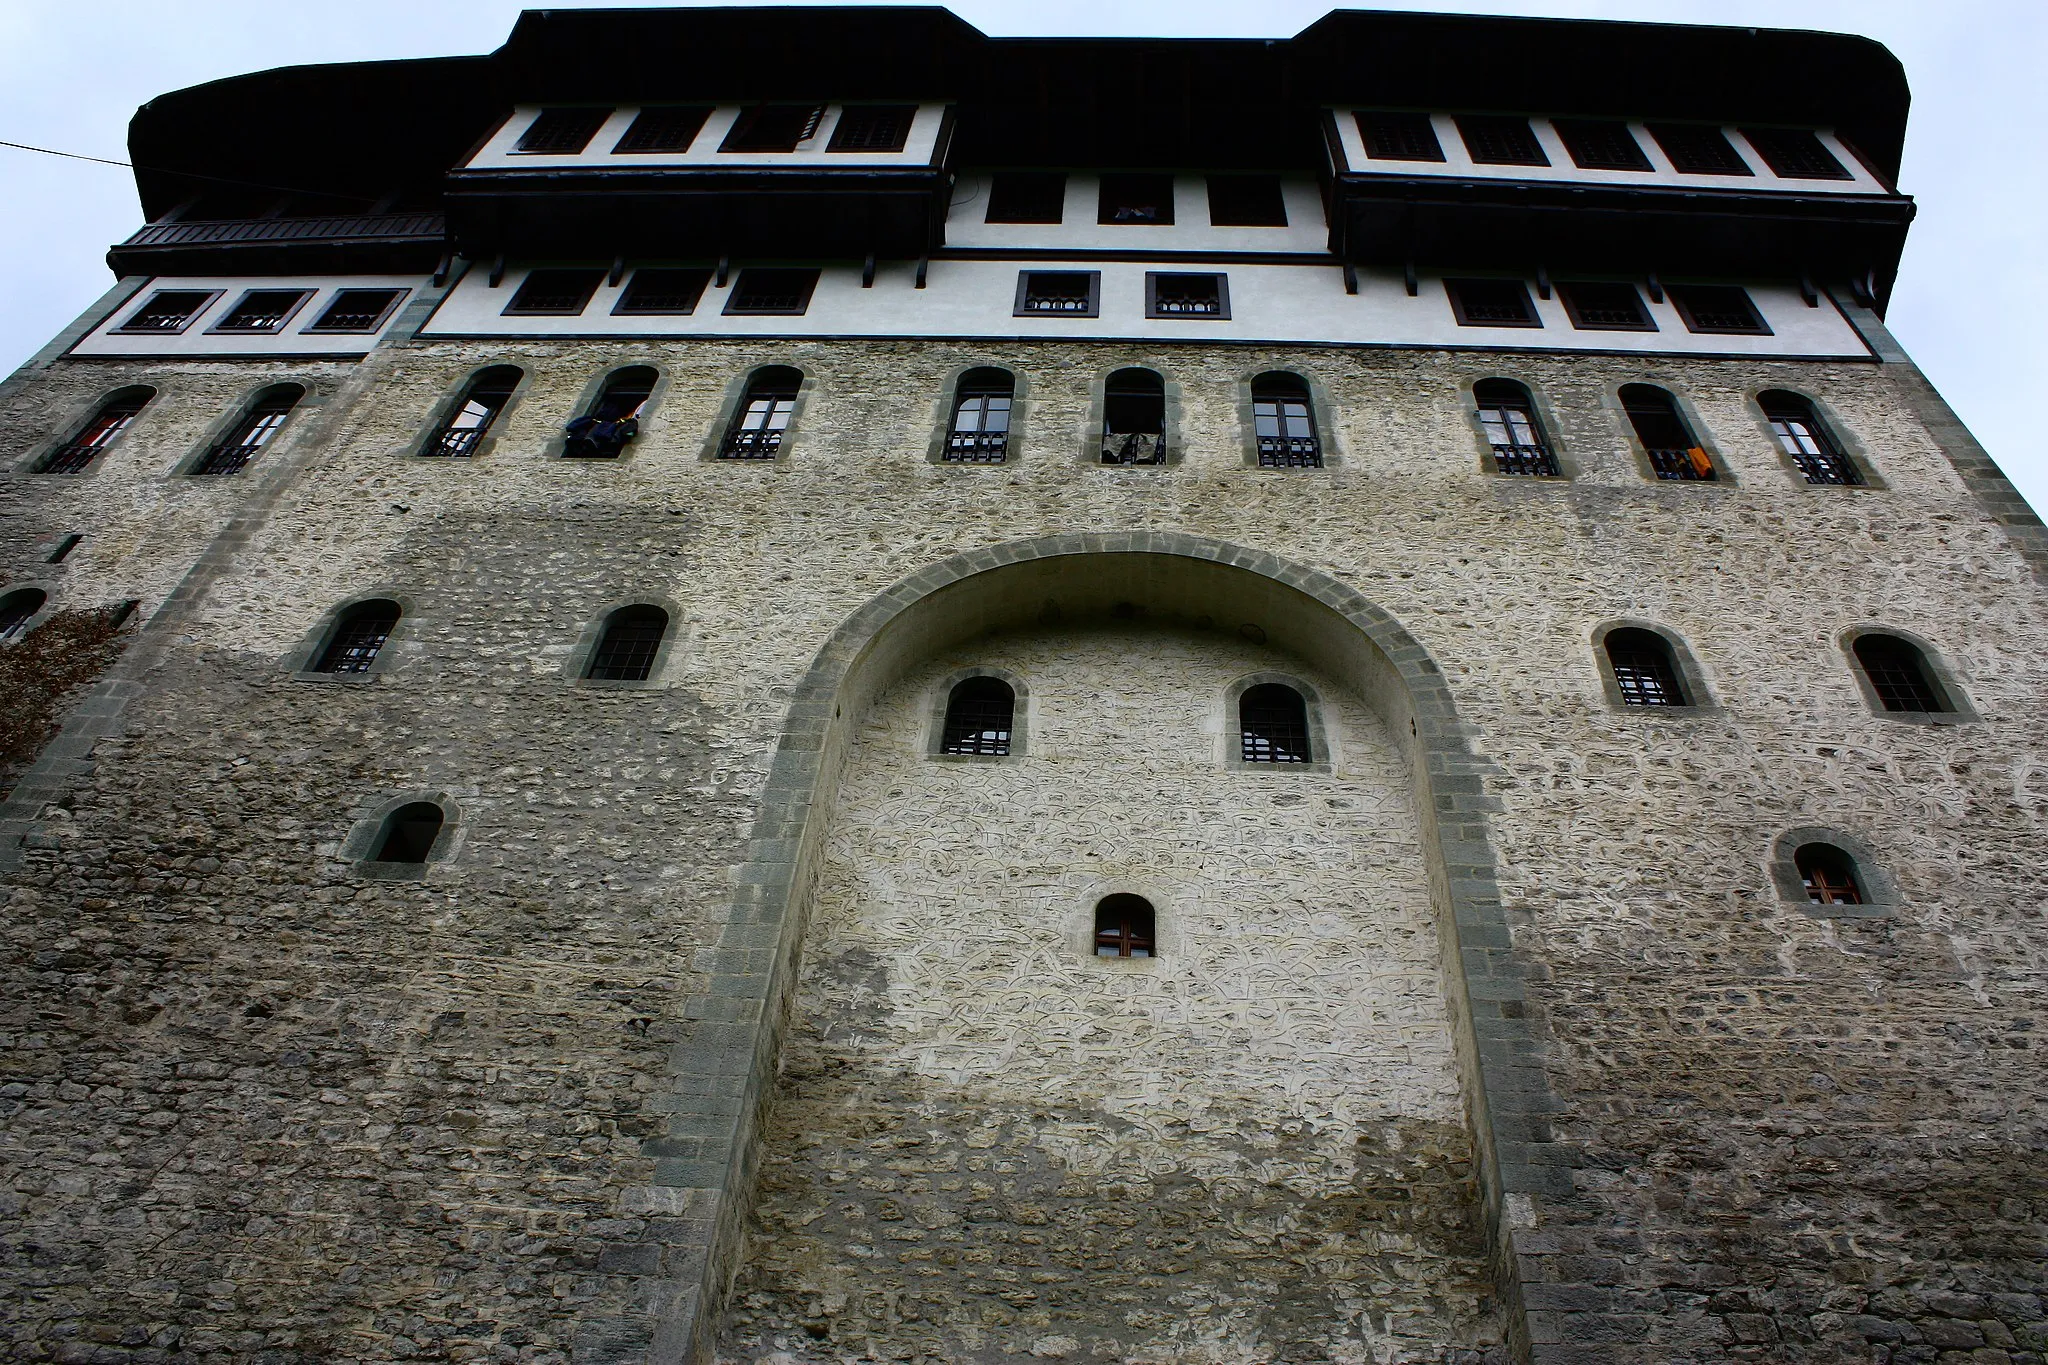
[17, 609]
[357, 310]
[1644, 667]
[614, 419]
[663, 128]
[1699, 149]
[256, 428]
[663, 291]
[1136, 199]
[1125, 926]
[980, 715]
[1392, 136]
[1674, 452]
[1718, 308]
[1284, 422]
[1828, 874]
[1059, 293]
[1272, 725]
[772, 291]
[1134, 418]
[1599, 144]
[1492, 303]
[1508, 414]
[1500, 140]
[1027, 197]
[101, 430]
[1605, 307]
[1246, 201]
[408, 833]
[562, 293]
[1796, 154]
[489, 391]
[169, 311]
[1177, 295]
[758, 428]
[980, 429]
[1899, 674]
[773, 127]
[263, 310]
[563, 132]
[626, 649]
[358, 637]
[1813, 448]
[872, 128]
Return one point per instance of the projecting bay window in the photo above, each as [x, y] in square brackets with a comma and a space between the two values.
[1667, 439]
[1284, 422]
[357, 310]
[980, 429]
[169, 311]
[1059, 293]
[1508, 416]
[1186, 296]
[256, 428]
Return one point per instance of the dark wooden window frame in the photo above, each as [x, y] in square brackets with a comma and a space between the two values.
[585, 278]
[1261, 452]
[218, 449]
[1476, 130]
[800, 287]
[84, 441]
[1456, 289]
[1546, 452]
[844, 128]
[452, 405]
[1880, 894]
[1661, 464]
[1578, 136]
[722, 441]
[1126, 922]
[1414, 136]
[391, 305]
[1796, 154]
[1154, 279]
[655, 130]
[207, 299]
[565, 119]
[627, 304]
[1577, 297]
[1024, 290]
[1684, 296]
[1702, 145]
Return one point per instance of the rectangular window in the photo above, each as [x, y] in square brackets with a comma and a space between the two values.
[663, 291]
[773, 127]
[1699, 149]
[1718, 308]
[664, 128]
[1027, 197]
[1399, 137]
[1136, 199]
[169, 311]
[1605, 308]
[262, 311]
[1246, 201]
[562, 132]
[1796, 154]
[1058, 293]
[772, 292]
[1492, 303]
[556, 293]
[1599, 144]
[1186, 296]
[872, 128]
[1500, 140]
[357, 310]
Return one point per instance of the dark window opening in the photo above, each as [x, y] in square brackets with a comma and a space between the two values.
[1492, 303]
[1134, 418]
[1601, 144]
[1605, 308]
[757, 431]
[482, 401]
[1027, 197]
[1644, 668]
[1828, 874]
[1058, 293]
[1718, 308]
[1136, 199]
[563, 132]
[1899, 674]
[773, 127]
[357, 310]
[872, 128]
[663, 291]
[1399, 137]
[1508, 415]
[256, 428]
[1272, 723]
[1124, 927]
[664, 128]
[1246, 201]
[1284, 423]
[979, 715]
[409, 833]
[262, 310]
[1699, 149]
[1813, 448]
[64, 549]
[115, 416]
[614, 419]
[562, 293]
[1796, 154]
[980, 430]
[169, 310]
[772, 291]
[1501, 140]
[358, 637]
[1186, 296]
[1674, 452]
[17, 609]
[626, 650]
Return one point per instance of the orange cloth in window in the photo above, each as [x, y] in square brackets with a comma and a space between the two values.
[1701, 465]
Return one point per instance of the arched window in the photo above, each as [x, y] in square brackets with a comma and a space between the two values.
[100, 431]
[489, 391]
[1513, 430]
[1283, 418]
[17, 609]
[253, 430]
[1813, 448]
[625, 651]
[1899, 674]
[359, 634]
[1645, 670]
[409, 832]
[614, 419]
[980, 713]
[1272, 722]
[758, 428]
[980, 430]
[1675, 453]
[1829, 875]
[1134, 418]
[1124, 926]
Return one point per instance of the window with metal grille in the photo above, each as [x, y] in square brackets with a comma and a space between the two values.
[602, 431]
[1813, 448]
[1674, 452]
[1398, 137]
[1644, 668]
[1828, 874]
[357, 638]
[1599, 144]
[980, 713]
[1143, 200]
[409, 833]
[262, 310]
[772, 291]
[1718, 308]
[101, 430]
[980, 430]
[1272, 725]
[1186, 296]
[1058, 293]
[663, 128]
[1246, 201]
[562, 132]
[773, 127]
[486, 397]
[1508, 414]
[1500, 140]
[559, 293]
[357, 310]
[256, 428]
[872, 128]
[1699, 149]
[1796, 154]
[1125, 926]
[758, 429]
[663, 291]
[1492, 303]
[625, 651]
[169, 311]
[1134, 418]
[1899, 674]
[1605, 307]
[1027, 197]
[1284, 422]
[17, 609]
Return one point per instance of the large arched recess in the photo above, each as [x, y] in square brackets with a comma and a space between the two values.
[725, 1064]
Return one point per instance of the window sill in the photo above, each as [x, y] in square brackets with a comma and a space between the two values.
[1818, 911]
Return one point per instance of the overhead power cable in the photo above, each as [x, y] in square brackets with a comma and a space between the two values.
[189, 175]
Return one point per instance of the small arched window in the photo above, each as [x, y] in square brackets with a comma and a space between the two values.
[104, 427]
[1674, 452]
[759, 427]
[1508, 414]
[625, 651]
[1284, 421]
[17, 609]
[1644, 667]
[980, 715]
[1829, 875]
[1899, 674]
[1272, 722]
[489, 392]
[409, 832]
[1806, 439]
[1134, 418]
[980, 430]
[358, 636]
[254, 429]
[1125, 926]
[602, 431]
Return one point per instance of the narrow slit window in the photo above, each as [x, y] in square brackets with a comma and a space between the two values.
[257, 427]
[1134, 418]
[263, 310]
[1136, 200]
[409, 833]
[625, 651]
[486, 397]
[669, 292]
[1125, 926]
[980, 714]
[1492, 303]
[758, 429]
[1644, 668]
[761, 291]
[614, 419]
[1058, 293]
[358, 637]
[64, 549]
[169, 311]
[773, 127]
[872, 128]
[554, 293]
[1601, 144]
[1699, 149]
[1186, 296]
[1500, 140]
[1508, 415]
[1284, 422]
[562, 132]
[1813, 448]
[980, 429]
[101, 430]
[1674, 452]
[1899, 675]
[1246, 201]
[1829, 875]
[1796, 154]
[1272, 725]
[1605, 307]
[17, 609]
[1027, 197]
[1718, 308]
[357, 310]
[663, 128]
[1392, 136]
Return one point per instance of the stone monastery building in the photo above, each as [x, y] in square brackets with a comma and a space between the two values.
[795, 686]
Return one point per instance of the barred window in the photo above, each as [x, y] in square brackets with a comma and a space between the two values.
[489, 391]
[1134, 418]
[1500, 140]
[1246, 201]
[409, 833]
[562, 132]
[358, 636]
[1813, 448]
[1674, 452]
[1136, 199]
[169, 311]
[554, 293]
[1508, 414]
[263, 310]
[773, 127]
[1605, 307]
[980, 429]
[1699, 149]
[1027, 197]
[663, 128]
[1398, 137]
[1125, 926]
[602, 432]
[758, 429]
[872, 128]
[1272, 724]
[772, 291]
[1601, 144]
[1829, 875]
[1058, 293]
[625, 651]
[357, 310]
[101, 430]
[1284, 422]
[1796, 154]
[980, 713]
[1645, 670]
[1176, 295]
[1718, 308]
[1899, 674]
[256, 428]
[17, 609]
[1492, 303]
[663, 291]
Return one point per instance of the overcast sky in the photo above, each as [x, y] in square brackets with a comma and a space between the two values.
[1968, 305]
